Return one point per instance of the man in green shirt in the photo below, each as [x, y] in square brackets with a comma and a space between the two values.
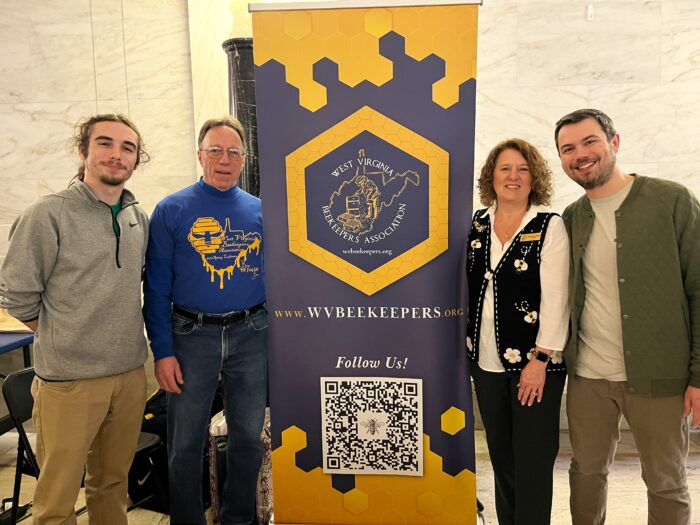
[634, 348]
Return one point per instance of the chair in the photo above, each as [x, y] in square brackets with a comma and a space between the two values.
[18, 396]
[16, 390]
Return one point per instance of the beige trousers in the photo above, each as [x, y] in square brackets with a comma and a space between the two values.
[660, 432]
[93, 422]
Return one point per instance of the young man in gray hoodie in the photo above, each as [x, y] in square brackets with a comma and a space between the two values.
[73, 275]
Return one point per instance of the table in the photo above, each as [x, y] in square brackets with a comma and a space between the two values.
[10, 341]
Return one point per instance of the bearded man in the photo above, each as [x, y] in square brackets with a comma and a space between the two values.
[634, 348]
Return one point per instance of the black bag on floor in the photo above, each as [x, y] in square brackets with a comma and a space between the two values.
[155, 421]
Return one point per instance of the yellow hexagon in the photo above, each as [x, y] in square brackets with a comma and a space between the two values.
[297, 24]
[429, 504]
[294, 438]
[378, 22]
[416, 44]
[268, 26]
[350, 21]
[437, 159]
[452, 420]
[355, 501]
[324, 21]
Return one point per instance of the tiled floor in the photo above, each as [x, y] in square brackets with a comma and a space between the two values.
[627, 495]
[8, 454]
[626, 491]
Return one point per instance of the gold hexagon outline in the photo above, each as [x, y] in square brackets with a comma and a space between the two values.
[438, 217]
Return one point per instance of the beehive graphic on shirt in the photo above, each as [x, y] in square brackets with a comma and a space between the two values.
[224, 251]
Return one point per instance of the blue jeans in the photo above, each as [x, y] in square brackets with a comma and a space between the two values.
[238, 353]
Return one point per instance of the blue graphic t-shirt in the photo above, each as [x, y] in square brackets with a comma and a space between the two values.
[205, 254]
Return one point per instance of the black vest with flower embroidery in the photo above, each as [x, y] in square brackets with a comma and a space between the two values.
[516, 290]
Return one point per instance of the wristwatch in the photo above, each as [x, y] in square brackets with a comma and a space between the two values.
[541, 356]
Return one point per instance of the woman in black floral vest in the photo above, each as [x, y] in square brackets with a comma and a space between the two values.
[517, 270]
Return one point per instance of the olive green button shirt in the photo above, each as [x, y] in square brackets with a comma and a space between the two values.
[658, 262]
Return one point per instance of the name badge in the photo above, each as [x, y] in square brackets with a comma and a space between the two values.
[529, 237]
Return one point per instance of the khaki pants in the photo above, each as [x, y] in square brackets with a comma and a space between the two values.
[93, 422]
[660, 432]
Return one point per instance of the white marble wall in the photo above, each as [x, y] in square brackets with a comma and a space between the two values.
[639, 61]
[211, 24]
[60, 61]
[538, 59]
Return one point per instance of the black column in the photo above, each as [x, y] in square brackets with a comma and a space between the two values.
[242, 104]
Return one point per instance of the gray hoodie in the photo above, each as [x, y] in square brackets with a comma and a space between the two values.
[66, 266]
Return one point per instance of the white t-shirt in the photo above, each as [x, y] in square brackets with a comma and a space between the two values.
[600, 329]
[554, 281]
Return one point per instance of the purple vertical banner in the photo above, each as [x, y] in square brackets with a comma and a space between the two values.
[366, 144]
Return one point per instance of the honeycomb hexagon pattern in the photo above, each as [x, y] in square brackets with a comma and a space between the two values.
[300, 39]
[436, 497]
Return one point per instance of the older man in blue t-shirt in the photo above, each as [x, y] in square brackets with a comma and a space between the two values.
[204, 307]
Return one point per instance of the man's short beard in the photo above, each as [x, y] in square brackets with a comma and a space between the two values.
[603, 177]
[110, 181]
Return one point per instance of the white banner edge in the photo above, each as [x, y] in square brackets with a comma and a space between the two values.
[353, 4]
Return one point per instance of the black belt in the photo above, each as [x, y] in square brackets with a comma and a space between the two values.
[222, 319]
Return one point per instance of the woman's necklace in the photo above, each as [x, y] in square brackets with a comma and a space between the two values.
[506, 229]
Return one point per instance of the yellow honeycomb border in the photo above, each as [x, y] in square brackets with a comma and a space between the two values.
[437, 159]
[350, 38]
[308, 497]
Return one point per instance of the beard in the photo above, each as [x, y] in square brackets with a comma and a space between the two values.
[111, 180]
[105, 176]
[605, 171]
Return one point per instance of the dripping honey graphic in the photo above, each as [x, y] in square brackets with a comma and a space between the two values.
[224, 250]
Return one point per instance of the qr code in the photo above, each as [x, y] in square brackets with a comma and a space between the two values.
[372, 425]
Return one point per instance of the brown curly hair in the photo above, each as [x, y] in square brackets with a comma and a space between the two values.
[541, 192]
[81, 138]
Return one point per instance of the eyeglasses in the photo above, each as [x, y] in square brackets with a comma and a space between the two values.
[216, 152]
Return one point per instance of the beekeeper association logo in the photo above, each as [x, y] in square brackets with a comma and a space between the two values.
[367, 200]
[374, 190]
